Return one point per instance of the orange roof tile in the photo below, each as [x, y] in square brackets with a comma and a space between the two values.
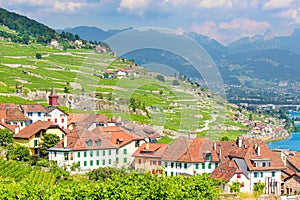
[33, 108]
[14, 114]
[154, 150]
[34, 128]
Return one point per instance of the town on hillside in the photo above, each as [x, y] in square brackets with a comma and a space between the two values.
[91, 141]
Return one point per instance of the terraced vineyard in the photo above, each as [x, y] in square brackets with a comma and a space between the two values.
[16, 171]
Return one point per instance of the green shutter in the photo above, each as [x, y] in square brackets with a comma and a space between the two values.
[125, 151]
[97, 162]
[197, 165]
[203, 165]
[103, 152]
[97, 153]
[109, 161]
[91, 153]
[209, 165]
[109, 152]
[84, 163]
[91, 163]
[85, 154]
[125, 160]
[78, 154]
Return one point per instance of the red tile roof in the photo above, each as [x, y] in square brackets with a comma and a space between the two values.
[153, 150]
[34, 108]
[226, 171]
[294, 161]
[191, 150]
[34, 128]
[14, 114]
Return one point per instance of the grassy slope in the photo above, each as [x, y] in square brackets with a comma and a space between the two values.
[176, 108]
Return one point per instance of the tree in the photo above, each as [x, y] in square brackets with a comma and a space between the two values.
[250, 117]
[160, 78]
[224, 138]
[6, 137]
[175, 82]
[18, 152]
[258, 188]
[49, 140]
[235, 187]
[38, 56]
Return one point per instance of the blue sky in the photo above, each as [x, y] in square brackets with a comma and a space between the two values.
[223, 20]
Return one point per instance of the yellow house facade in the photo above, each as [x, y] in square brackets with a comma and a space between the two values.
[32, 135]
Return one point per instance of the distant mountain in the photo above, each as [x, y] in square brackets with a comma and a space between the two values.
[266, 41]
[92, 33]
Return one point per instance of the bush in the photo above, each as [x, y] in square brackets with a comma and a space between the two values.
[38, 56]
[176, 83]
[160, 78]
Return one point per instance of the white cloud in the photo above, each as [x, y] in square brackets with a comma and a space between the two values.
[214, 3]
[277, 4]
[292, 14]
[133, 6]
[67, 6]
[208, 28]
[245, 25]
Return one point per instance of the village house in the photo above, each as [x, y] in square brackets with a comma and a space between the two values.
[190, 156]
[102, 147]
[148, 157]
[12, 116]
[32, 135]
[35, 112]
[57, 116]
[257, 162]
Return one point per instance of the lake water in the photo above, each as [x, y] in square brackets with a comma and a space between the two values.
[292, 143]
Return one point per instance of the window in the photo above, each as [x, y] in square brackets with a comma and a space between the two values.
[216, 165]
[125, 160]
[91, 153]
[159, 163]
[66, 155]
[98, 143]
[273, 174]
[39, 114]
[89, 143]
[117, 160]
[62, 120]
[97, 153]
[154, 162]
[71, 156]
[55, 120]
[172, 165]
[261, 174]
[203, 165]
[185, 165]
[109, 152]
[78, 163]
[125, 151]
[172, 173]
[150, 162]
[91, 163]
[97, 162]
[264, 164]
[103, 162]
[197, 165]
[238, 176]
[117, 151]
[178, 165]
[255, 164]
[166, 164]
[109, 161]
[208, 157]
[103, 152]
[140, 161]
[242, 184]
[54, 154]
[255, 174]
[35, 143]
[137, 143]
[30, 114]
[62, 135]
[209, 165]
[84, 163]
[84, 154]
[48, 120]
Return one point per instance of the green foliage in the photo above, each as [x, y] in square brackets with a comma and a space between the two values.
[38, 56]
[258, 188]
[6, 137]
[160, 78]
[235, 187]
[165, 140]
[224, 138]
[49, 140]
[18, 152]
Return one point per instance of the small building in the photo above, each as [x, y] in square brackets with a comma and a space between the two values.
[32, 135]
[190, 156]
[148, 157]
[58, 117]
[35, 112]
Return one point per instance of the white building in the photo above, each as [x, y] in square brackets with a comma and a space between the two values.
[190, 157]
[96, 148]
[57, 116]
[256, 161]
[35, 112]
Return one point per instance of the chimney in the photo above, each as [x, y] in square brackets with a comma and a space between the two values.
[193, 135]
[215, 146]
[147, 146]
[220, 154]
[17, 129]
[258, 150]
[65, 141]
[240, 141]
